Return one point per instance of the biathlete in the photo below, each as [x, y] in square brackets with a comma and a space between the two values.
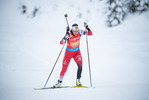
[73, 51]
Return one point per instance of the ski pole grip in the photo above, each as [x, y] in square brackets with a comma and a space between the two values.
[85, 24]
[66, 15]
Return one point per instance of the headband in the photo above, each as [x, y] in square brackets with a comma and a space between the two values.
[75, 28]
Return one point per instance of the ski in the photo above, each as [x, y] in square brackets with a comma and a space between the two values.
[60, 87]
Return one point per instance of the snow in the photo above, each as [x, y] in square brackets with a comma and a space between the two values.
[29, 48]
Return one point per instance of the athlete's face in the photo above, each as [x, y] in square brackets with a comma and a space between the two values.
[75, 32]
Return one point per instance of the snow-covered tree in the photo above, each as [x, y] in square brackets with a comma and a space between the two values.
[117, 10]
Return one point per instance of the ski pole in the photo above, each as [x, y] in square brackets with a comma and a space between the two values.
[88, 59]
[54, 65]
[66, 19]
[58, 55]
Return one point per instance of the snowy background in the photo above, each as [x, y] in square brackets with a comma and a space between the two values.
[29, 48]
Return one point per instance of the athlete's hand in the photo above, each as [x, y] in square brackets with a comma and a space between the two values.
[86, 26]
[67, 29]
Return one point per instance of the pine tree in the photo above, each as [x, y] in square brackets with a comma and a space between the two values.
[117, 10]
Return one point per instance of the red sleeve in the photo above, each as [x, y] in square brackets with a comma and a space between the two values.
[89, 33]
[61, 42]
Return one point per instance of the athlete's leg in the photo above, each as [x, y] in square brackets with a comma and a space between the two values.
[66, 61]
[78, 60]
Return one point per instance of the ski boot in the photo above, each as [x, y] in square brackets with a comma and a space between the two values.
[58, 84]
[78, 83]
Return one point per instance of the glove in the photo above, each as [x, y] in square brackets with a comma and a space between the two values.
[86, 26]
[67, 29]
[89, 32]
